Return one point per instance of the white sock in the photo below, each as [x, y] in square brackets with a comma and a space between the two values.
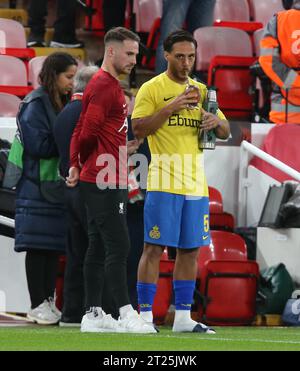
[183, 321]
[182, 316]
[125, 309]
[147, 316]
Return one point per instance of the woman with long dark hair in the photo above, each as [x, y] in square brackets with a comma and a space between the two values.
[40, 227]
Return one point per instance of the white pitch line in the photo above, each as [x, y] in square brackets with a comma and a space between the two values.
[213, 338]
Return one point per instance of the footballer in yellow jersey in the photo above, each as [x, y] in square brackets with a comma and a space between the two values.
[176, 161]
[176, 210]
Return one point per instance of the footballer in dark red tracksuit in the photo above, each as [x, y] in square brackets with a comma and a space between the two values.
[100, 140]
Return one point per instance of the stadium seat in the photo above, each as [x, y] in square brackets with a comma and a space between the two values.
[235, 85]
[215, 200]
[13, 77]
[221, 221]
[263, 10]
[277, 141]
[218, 219]
[147, 20]
[214, 41]
[232, 10]
[13, 40]
[224, 246]
[226, 53]
[9, 105]
[228, 281]
[235, 14]
[146, 12]
[95, 22]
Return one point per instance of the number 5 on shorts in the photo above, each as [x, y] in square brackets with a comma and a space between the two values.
[206, 223]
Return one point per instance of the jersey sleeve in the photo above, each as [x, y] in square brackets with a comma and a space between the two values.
[93, 120]
[144, 105]
[221, 115]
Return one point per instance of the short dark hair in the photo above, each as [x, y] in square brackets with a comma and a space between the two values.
[176, 37]
[120, 34]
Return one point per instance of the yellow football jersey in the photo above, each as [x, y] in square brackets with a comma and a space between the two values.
[176, 161]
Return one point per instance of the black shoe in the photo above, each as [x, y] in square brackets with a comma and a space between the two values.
[70, 322]
[200, 327]
[71, 44]
[35, 41]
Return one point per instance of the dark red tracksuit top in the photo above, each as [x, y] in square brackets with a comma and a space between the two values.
[101, 131]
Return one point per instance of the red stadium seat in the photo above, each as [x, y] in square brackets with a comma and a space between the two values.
[146, 12]
[214, 41]
[13, 77]
[263, 10]
[215, 200]
[218, 219]
[9, 105]
[232, 10]
[147, 20]
[226, 53]
[234, 83]
[13, 40]
[282, 143]
[235, 14]
[228, 281]
[221, 221]
[224, 246]
[152, 42]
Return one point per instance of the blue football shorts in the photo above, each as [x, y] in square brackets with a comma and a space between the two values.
[176, 220]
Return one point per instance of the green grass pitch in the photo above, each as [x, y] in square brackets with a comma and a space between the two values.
[226, 339]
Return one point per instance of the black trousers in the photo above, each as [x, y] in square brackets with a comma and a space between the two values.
[135, 220]
[113, 13]
[73, 303]
[106, 257]
[64, 26]
[41, 272]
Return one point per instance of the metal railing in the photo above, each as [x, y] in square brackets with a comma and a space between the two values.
[7, 221]
[245, 150]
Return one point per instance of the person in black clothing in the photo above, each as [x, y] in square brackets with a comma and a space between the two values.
[64, 26]
[135, 214]
[73, 303]
[113, 13]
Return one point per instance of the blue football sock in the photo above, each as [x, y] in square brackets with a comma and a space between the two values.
[146, 293]
[184, 292]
